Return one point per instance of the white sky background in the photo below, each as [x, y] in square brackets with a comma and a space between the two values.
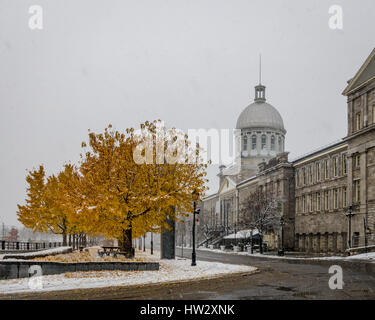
[191, 63]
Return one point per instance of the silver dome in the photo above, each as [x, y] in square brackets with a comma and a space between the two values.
[260, 115]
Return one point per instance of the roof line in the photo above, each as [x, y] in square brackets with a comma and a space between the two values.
[349, 87]
[321, 149]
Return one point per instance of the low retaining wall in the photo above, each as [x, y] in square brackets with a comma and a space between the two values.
[21, 269]
[38, 254]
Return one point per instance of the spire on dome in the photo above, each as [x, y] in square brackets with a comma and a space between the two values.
[260, 90]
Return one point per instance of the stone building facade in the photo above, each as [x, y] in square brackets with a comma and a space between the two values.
[318, 189]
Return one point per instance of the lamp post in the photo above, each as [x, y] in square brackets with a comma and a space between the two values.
[251, 241]
[235, 234]
[182, 242]
[282, 222]
[196, 211]
[350, 214]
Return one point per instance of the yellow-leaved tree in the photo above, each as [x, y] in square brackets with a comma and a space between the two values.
[52, 202]
[131, 181]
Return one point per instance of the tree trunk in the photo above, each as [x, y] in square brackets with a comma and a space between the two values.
[260, 244]
[126, 243]
[64, 239]
[70, 240]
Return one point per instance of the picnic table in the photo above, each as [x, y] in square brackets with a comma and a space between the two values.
[110, 250]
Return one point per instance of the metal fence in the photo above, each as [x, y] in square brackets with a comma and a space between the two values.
[27, 246]
[363, 241]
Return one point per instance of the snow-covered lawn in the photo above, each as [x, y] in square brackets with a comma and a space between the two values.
[170, 271]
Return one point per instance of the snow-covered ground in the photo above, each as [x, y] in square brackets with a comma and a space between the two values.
[170, 271]
[364, 256]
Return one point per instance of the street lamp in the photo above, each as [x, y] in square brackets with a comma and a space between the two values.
[350, 214]
[235, 234]
[282, 223]
[193, 254]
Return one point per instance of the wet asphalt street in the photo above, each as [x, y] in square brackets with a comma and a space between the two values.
[276, 279]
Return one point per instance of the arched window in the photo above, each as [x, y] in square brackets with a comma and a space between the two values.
[272, 143]
[245, 143]
[254, 142]
[264, 141]
[280, 146]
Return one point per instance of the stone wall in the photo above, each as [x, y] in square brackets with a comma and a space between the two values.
[20, 269]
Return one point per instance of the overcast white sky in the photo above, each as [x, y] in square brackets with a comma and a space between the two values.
[192, 63]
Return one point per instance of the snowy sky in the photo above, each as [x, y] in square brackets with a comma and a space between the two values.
[192, 63]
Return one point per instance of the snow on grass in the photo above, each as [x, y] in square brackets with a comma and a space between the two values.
[170, 271]
[91, 255]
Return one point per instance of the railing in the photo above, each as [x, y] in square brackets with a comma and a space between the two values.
[363, 241]
[27, 246]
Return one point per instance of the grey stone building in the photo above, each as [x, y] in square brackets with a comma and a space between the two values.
[317, 189]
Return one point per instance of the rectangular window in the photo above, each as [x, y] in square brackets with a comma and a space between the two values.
[357, 161]
[311, 203]
[358, 121]
[311, 174]
[317, 172]
[357, 191]
[344, 165]
[326, 169]
[297, 178]
[335, 198]
[344, 198]
[336, 166]
[318, 202]
[326, 199]
[304, 176]
[303, 204]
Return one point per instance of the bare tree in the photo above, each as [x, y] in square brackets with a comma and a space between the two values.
[262, 211]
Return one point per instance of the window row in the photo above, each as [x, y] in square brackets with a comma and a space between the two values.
[322, 170]
[322, 201]
[359, 119]
[263, 141]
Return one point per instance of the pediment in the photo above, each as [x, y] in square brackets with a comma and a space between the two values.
[365, 74]
[227, 185]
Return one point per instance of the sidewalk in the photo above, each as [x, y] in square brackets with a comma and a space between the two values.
[364, 262]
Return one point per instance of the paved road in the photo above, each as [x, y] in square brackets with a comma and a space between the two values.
[276, 280]
[282, 280]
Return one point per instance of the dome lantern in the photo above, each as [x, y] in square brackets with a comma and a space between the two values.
[260, 93]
